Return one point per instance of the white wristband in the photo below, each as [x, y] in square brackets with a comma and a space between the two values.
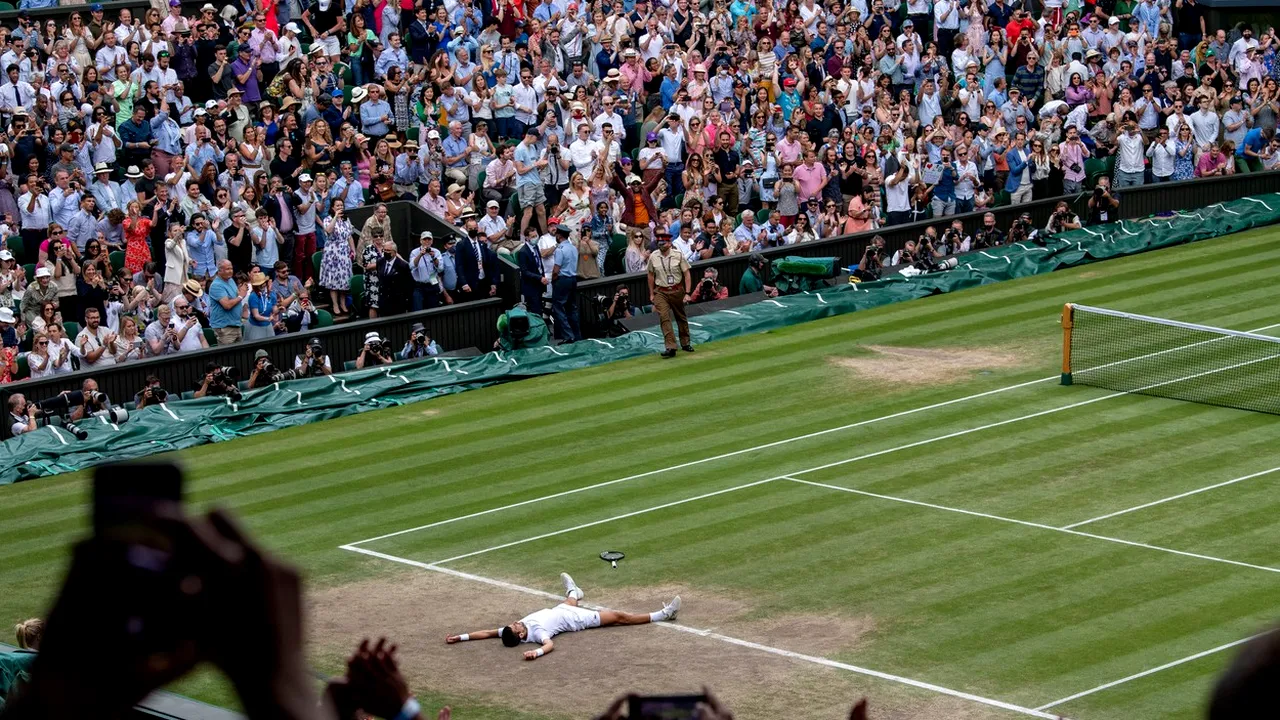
[464, 637]
[409, 710]
[538, 652]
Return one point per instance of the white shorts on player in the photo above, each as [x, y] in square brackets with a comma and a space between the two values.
[540, 627]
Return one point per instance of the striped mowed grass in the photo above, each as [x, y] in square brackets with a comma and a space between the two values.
[947, 565]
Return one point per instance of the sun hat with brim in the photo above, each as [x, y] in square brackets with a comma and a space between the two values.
[256, 278]
[359, 94]
[43, 272]
[454, 188]
[133, 173]
[101, 168]
[6, 316]
[193, 287]
[372, 337]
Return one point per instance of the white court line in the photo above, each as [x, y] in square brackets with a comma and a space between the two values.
[725, 638]
[1152, 671]
[1028, 523]
[722, 456]
[623, 516]
[777, 443]
[1171, 498]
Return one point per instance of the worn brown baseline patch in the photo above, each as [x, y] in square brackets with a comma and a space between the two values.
[418, 608]
[915, 366]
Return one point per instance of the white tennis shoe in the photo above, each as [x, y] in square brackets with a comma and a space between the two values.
[571, 588]
[671, 608]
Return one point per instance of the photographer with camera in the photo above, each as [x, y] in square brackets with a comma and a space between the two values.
[265, 372]
[1102, 205]
[954, 240]
[152, 394]
[1062, 219]
[420, 344]
[614, 310]
[219, 381]
[872, 262]
[22, 415]
[709, 288]
[88, 401]
[756, 277]
[988, 235]
[374, 353]
[312, 362]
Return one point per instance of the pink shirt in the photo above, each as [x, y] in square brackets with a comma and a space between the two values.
[809, 180]
[788, 152]
[435, 205]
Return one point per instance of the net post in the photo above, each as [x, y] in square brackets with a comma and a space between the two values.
[1068, 321]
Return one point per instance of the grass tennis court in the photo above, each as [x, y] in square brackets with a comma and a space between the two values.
[902, 503]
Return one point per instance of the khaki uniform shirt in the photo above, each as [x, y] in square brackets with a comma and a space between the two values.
[667, 270]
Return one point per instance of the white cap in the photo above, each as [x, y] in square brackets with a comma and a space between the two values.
[491, 203]
[372, 337]
[304, 177]
[6, 315]
[6, 255]
[293, 28]
[1114, 20]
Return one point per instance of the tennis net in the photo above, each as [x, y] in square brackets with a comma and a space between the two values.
[1166, 358]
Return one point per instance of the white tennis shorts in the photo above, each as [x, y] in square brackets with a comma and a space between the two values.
[576, 618]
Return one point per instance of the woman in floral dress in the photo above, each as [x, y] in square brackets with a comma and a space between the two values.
[335, 264]
[137, 237]
[367, 255]
[1184, 166]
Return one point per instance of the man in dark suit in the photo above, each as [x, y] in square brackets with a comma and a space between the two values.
[533, 275]
[395, 281]
[280, 203]
[478, 268]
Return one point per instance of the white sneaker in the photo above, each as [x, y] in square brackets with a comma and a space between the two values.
[571, 588]
[671, 608]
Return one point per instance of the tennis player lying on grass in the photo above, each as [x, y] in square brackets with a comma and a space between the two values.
[543, 625]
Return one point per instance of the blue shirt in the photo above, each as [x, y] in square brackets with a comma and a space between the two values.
[200, 248]
[131, 133]
[167, 134]
[355, 198]
[456, 146]
[669, 88]
[566, 257]
[528, 155]
[264, 303]
[448, 271]
[1252, 140]
[371, 117]
[220, 317]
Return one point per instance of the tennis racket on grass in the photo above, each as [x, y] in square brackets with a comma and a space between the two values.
[612, 557]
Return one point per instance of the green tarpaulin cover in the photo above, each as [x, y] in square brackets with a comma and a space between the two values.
[182, 424]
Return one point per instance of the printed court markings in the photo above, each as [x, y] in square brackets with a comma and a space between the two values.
[437, 566]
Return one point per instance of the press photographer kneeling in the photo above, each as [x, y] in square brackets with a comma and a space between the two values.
[614, 310]
[374, 353]
[219, 381]
[265, 373]
[420, 344]
[152, 394]
[312, 362]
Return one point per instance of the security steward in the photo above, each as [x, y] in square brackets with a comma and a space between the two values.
[669, 288]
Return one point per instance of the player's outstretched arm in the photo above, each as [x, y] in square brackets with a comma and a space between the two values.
[475, 635]
[547, 647]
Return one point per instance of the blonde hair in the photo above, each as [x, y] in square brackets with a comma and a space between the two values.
[29, 632]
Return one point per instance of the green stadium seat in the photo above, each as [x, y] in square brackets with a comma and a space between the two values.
[680, 200]
[323, 318]
[349, 365]
[117, 260]
[346, 93]
[480, 180]
[210, 337]
[315, 261]
[16, 246]
[30, 268]
[348, 75]
[188, 395]
[6, 7]
[357, 295]
[24, 370]
[130, 406]
[411, 134]
[762, 215]
[72, 327]
[1001, 199]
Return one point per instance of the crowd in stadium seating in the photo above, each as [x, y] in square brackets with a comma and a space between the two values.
[218, 149]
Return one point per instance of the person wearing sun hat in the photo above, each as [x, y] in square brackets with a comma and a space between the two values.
[263, 311]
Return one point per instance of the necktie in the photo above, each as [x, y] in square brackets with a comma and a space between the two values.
[475, 247]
